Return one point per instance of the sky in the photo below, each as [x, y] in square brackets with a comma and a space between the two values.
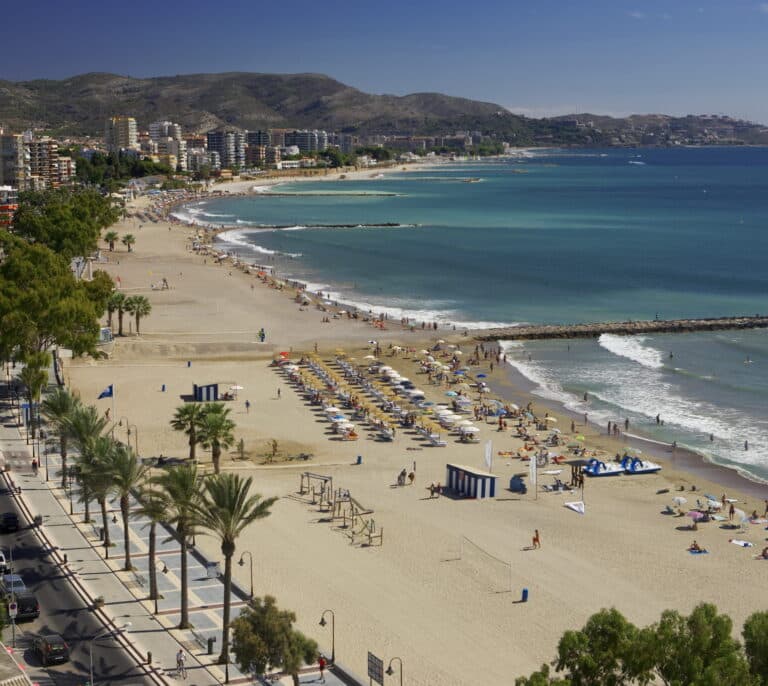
[538, 58]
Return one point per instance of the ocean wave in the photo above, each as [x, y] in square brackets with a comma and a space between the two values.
[240, 239]
[632, 348]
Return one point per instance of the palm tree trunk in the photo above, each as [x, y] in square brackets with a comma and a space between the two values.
[192, 444]
[109, 318]
[216, 457]
[224, 657]
[126, 532]
[86, 496]
[107, 539]
[63, 453]
[152, 565]
[119, 322]
[184, 623]
[138, 321]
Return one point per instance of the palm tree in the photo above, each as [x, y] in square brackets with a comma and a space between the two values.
[226, 510]
[216, 432]
[98, 475]
[114, 303]
[181, 486]
[128, 241]
[154, 506]
[127, 474]
[188, 418]
[84, 426]
[139, 307]
[34, 379]
[111, 238]
[57, 409]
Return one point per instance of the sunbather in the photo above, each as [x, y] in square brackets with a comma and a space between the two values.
[764, 554]
[696, 548]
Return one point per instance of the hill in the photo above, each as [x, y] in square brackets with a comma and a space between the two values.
[200, 102]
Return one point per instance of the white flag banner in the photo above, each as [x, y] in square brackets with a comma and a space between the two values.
[533, 474]
[489, 455]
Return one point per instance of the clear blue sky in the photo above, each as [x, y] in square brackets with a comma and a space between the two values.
[538, 57]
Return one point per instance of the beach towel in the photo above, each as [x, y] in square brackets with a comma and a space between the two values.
[743, 544]
[552, 472]
[698, 552]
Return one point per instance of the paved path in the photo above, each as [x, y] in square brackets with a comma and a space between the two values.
[125, 593]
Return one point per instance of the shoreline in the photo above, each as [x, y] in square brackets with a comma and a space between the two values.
[698, 464]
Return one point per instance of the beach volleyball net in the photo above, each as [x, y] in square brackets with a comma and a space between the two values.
[485, 569]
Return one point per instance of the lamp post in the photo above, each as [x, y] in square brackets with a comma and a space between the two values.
[391, 671]
[111, 632]
[164, 570]
[119, 423]
[135, 437]
[333, 632]
[250, 564]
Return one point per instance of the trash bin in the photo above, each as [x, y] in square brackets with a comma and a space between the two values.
[359, 459]
[211, 641]
[524, 599]
[213, 569]
[101, 533]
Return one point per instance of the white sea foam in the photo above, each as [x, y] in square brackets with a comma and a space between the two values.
[632, 348]
[239, 238]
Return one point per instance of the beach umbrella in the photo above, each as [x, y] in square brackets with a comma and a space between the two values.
[236, 388]
[556, 431]
[580, 437]
[679, 501]
[451, 394]
[573, 445]
[550, 419]
[695, 515]
[481, 376]
[739, 515]
[512, 406]
[469, 430]
[459, 372]
[714, 504]
[457, 352]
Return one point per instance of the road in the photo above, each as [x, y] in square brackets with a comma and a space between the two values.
[61, 611]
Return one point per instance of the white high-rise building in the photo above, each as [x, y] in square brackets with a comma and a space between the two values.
[120, 134]
[164, 129]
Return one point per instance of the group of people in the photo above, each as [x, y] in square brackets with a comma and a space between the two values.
[403, 475]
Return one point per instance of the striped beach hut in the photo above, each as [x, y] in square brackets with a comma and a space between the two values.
[205, 393]
[470, 482]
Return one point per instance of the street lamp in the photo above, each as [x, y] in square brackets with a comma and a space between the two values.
[135, 436]
[250, 564]
[391, 671]
[333, 632]
[111, 632]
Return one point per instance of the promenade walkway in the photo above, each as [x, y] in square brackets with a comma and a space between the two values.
[77, 546]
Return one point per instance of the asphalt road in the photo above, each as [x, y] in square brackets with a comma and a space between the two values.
[63, 612]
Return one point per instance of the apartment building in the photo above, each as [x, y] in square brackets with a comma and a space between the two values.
[14, 162]
[164, 129]
[9, 203]
[120, 133]
[230, 145]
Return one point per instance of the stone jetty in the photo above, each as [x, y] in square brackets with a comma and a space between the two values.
[593, 330]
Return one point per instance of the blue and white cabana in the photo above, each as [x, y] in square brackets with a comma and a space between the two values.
[205, 393]
[470, 482]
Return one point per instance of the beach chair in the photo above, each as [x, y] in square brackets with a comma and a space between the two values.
[436, 441]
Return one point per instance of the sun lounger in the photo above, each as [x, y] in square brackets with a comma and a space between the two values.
[437, 442]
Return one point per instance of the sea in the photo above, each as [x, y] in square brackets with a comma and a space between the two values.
[556, 236]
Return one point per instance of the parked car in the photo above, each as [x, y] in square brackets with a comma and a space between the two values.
[9, 522]
[51, 649]
[11, 583]
[27, 606]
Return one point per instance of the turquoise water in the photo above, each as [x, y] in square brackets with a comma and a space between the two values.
[559, 237]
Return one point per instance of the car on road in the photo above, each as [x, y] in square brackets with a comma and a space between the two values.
[11, 583]
[51, 649]
[9, 521]
[27, 606]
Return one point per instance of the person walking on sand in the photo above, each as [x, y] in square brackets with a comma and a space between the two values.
[731, 512]
[247, 406]
[278, 394]
[181, 670]
[536, 539]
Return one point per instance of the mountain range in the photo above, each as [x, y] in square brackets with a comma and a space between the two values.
[200, 102]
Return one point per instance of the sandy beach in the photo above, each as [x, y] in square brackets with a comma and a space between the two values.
[423, 595]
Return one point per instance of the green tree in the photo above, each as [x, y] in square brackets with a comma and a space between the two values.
[188, 419]
[756, 644]
[225, 511]
[58, 408]
[600, 654]
[263, 637]
[66, 220]
[152, 506]
[182, 489]
[110, 237]
[42, 305]
[698, 650]
[117, 304]
[542, 678]
[35, 380]
[216, 432]
[85, 426]
[139, 306]
[97, 473]
[128, 474]
[99, 290]
[129, 240]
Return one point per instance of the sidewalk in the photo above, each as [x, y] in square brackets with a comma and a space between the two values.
[125, 593]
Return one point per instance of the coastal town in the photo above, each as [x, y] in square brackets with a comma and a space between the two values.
[353, 389]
